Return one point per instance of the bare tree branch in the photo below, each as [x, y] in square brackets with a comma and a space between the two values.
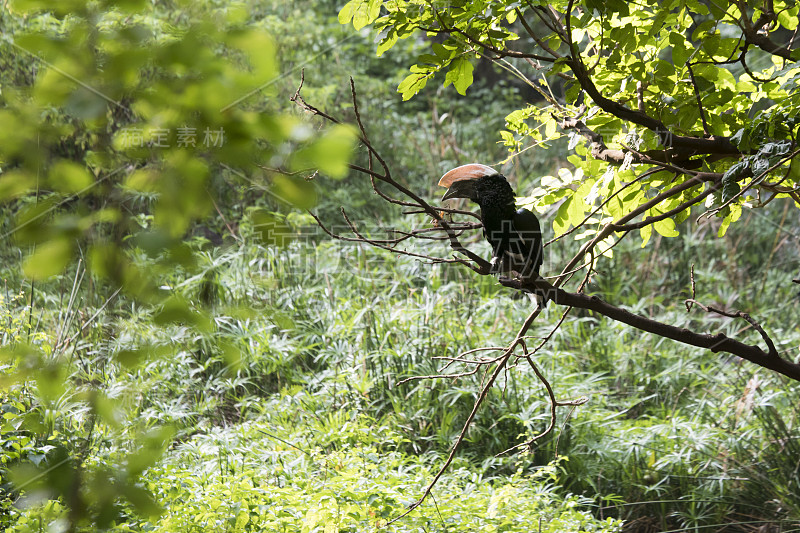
[480, 264]
[501, 364]
[718, 342]
[553, 402]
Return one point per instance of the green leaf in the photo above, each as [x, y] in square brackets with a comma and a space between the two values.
[15, 183]
[51, 378]
[260, 50]
[49, 258]
[715, 77]
[595, 5]
[759, 165]
[460, 74]
[175, 310]
[69, 177]
[625, 36]
[270, 229]
[666, 227]
[443, 52]
[143, 180]
[645, 233]
[386, 43]
[679, 51]
[561, 221]
[741, 139]
[702, 29]
[415, 82]
[550, 128]
[723, 228]
[85, 104]
[330, 153]
[616, 6]
[577, 210]
[130, 6]
[297, 192]
[348, 11]
[361, 12]
[788, 18]
[733, 215]
[730, 180]
[132, 358]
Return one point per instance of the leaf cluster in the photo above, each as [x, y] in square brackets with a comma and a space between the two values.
[680, 86]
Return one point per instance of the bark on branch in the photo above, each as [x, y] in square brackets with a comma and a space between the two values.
[716, 342]
[757, 36]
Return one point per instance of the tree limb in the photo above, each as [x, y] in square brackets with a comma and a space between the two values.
[718, 342]
[692, 145]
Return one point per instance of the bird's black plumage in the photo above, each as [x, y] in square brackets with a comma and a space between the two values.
[514, 234]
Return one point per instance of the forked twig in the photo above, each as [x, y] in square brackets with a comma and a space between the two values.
[772, 351]
[441, 376]
[553, 402]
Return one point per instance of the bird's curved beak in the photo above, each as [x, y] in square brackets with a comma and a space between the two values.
[460, 189]
[461, 180]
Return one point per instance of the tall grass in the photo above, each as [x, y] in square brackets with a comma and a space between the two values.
[672, 438]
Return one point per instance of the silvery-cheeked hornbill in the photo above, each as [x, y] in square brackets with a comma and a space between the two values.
[514, 234]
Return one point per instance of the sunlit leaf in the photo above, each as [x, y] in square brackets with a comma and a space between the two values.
[178, 311]
[459, 74]
[330, 154]
[295, 191]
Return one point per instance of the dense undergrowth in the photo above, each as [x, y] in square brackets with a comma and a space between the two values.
[278, 404]
[265, 394]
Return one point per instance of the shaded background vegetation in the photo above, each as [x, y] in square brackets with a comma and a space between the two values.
[260, 391]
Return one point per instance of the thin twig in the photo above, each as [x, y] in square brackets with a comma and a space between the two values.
[439, 376]
[478, 264]
[740, 314]
[553, 402]
[484, 392]
[697, 95]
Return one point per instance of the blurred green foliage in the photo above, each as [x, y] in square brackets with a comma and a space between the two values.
[120, 122]
[182, 350]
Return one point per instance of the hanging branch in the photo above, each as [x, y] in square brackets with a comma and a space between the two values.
[551, 395]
